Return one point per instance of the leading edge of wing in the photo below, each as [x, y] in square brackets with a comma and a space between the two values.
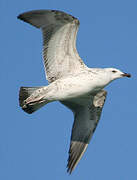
[59, 41]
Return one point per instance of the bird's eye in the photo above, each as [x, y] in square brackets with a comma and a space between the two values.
[114, 71]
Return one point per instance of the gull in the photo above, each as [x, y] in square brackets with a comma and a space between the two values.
[71, 82]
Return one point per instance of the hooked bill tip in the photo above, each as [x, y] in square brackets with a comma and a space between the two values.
[126, 75]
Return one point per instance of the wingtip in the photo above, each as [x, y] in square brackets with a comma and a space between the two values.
[22, 18]
[76, 152]
[38, 18]
[69, 166]
[18, 17]
[68, 170]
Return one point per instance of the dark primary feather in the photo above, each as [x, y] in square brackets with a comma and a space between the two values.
[85, 122]
[40, 18]
[59, 41]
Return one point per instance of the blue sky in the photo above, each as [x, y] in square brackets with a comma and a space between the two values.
[35, 147]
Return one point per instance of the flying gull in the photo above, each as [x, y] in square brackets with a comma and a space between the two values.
[70, 81]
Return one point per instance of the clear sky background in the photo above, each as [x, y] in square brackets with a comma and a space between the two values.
[35, 147]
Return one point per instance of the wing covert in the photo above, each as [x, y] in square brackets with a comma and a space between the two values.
[59, 41]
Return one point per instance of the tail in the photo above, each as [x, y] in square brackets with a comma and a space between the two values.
[29, 100]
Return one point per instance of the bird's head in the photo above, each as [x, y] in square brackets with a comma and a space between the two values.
[114, 73]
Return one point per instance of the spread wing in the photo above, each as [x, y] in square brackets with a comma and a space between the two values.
[59, 41]
[86, 118]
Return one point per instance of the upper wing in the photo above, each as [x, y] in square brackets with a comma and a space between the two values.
[59, 41]
[86, 120]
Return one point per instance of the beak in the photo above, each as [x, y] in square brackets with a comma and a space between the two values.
[126, 75]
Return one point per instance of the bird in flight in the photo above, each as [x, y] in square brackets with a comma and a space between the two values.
[71, 82]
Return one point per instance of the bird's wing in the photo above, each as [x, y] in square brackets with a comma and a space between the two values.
[85, 122]
[59, 41]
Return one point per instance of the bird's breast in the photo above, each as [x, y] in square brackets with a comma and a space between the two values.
[75, 87]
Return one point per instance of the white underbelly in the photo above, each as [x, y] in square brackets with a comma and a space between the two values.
[69, 89]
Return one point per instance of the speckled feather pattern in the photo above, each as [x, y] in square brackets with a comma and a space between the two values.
[71, 82]
[59, 41]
